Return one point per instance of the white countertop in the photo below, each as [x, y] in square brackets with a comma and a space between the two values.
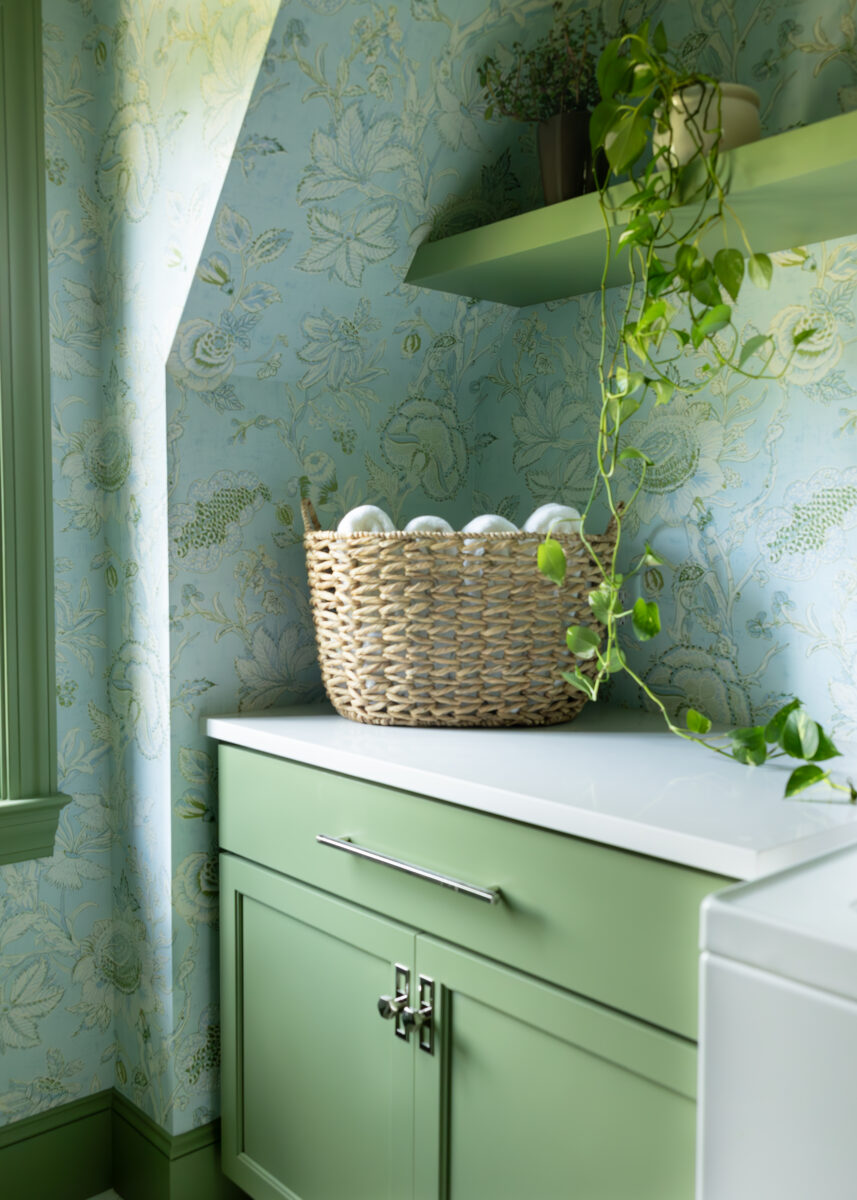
[610, 776]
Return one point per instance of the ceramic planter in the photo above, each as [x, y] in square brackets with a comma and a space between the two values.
[565, 156]
[694, 116]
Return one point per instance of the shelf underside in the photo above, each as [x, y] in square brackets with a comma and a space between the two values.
[789, 190]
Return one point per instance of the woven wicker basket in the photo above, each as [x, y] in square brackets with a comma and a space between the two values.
[446, 628]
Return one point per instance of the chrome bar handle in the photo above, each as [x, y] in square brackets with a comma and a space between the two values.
[487, 895]
[421, 1019]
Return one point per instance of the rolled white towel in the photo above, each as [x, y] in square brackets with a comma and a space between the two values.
[473, 550]
[489, 523]
[428, 524]
[553, 518]
[366, 519]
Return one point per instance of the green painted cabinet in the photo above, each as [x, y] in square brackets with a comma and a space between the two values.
[489, 1082]
[533, 1092]
[319, 1089]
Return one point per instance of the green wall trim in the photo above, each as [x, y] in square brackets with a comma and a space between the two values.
[27, 655]
[28, 827]
[79, 1149]
[169, 1145]
[63, 1115]
[62, 1154]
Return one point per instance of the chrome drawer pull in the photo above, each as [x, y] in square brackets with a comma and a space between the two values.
[488, 895]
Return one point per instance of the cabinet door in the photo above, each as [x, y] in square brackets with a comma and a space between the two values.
[317, 1089]
[532, 1092]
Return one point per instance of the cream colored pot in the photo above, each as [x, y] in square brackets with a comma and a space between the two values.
[697, 111]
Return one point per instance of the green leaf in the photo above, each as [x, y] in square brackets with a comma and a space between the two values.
[639, 231]
[654, 311]
[659, 281]
[704, 287]
[748, 745]
[642, 80]
[709, 323]
[804, 777]
[606, 66]
[646, 619]
[729, 269]
[615, 661]
[625, 383]
[826, 748]
[760, 269]
[651, 558]
[551, 560]
[684, 260]
[580, 681]
[774, 727]
[752, 346]
[696, 722]
[803, 336]
[603, 601]
[633, 452]
[582, 641]
[659, 38]
[600, 122]
[621, 409]
[800, 734]
[631, 135]
[664, 389]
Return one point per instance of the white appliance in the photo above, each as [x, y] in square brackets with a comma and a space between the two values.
[778, 1036]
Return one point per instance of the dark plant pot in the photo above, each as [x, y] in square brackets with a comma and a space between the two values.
[565, 156]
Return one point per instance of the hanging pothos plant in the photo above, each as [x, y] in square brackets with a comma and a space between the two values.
[680, 302]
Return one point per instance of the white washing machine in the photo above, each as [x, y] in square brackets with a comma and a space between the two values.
[778, 1037]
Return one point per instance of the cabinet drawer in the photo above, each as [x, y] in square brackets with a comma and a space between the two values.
[618, 927]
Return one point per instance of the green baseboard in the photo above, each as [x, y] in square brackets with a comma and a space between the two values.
[62, 1154]
[77, 1150]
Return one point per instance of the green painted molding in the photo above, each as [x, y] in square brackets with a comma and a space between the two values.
[28, 827]
[80, 1149]
[61, 1154]
[27, 653]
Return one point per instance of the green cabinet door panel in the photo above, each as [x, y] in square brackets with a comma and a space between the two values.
[614, 926]
[533, 1094]
[317, 1089]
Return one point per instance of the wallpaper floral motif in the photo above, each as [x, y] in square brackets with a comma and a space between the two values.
[194, 410]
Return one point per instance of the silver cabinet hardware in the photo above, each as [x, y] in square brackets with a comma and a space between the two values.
[421, 1018]
[488, 895]
[395, 1006]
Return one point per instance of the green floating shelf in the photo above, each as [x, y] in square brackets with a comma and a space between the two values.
[787, 190]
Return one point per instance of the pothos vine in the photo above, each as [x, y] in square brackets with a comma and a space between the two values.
[680, 302]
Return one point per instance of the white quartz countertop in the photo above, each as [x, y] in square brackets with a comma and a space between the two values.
[610, 776]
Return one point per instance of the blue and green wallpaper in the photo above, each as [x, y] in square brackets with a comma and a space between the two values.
[234, 197]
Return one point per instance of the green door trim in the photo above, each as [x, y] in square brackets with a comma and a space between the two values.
[29, 802]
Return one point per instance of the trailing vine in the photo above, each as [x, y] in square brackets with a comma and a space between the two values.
[665, 215]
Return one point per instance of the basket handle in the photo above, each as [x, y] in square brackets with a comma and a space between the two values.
[311, 521]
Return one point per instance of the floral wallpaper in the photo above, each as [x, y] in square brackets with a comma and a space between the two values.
[143, 102]
[217, 358]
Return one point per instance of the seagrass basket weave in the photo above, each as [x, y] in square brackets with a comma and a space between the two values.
[446, 628]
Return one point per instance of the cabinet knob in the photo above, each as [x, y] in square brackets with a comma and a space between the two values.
[390, 1006]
